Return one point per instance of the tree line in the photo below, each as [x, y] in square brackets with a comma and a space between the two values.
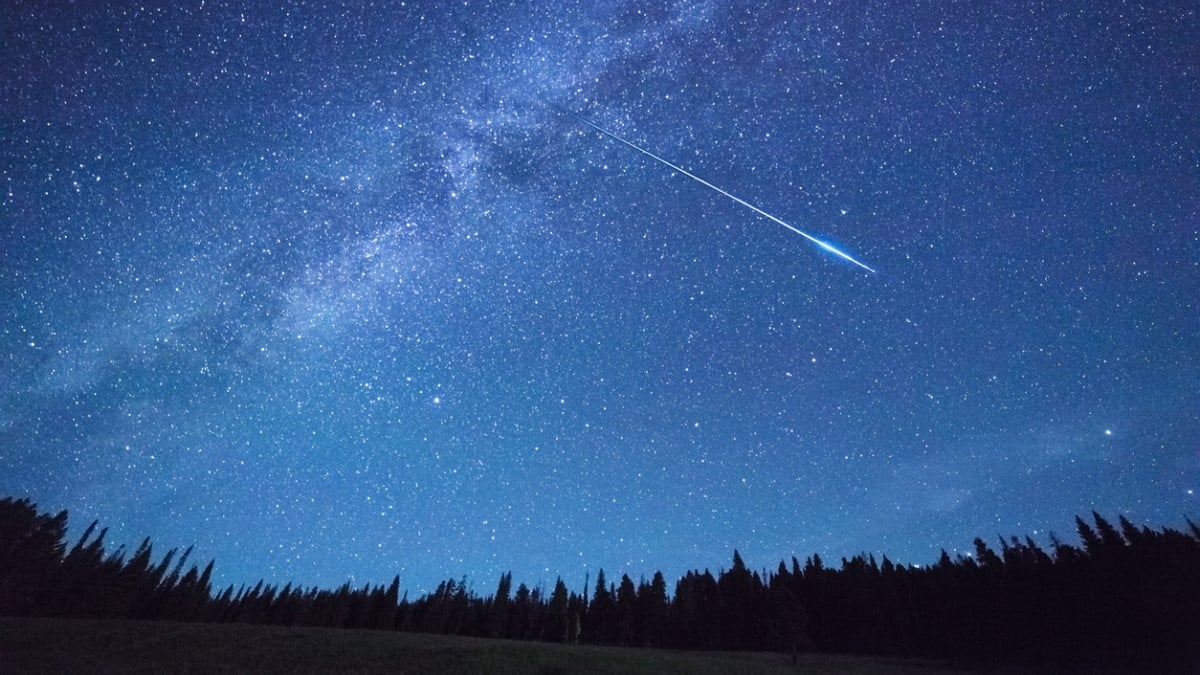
[1125, 592]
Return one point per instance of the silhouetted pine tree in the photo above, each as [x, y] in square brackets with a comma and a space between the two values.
[624, 613]
[385, 616]
[556, 623]
[135, 583]
[597, 625]
[576, 606]
[521, 626]
[1108, 534]
[497, 625]
[786, 621]
[32, 546]
[653, 612]
[1091, 541]
[740, 615]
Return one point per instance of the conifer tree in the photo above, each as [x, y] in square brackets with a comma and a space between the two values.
[575, 610]
[31, 549]
[597, 624]
[625, 613]
[556, 623]
[498, 619]
[653, 610]
[1108, 534]
[522, 614]
[1091, 541]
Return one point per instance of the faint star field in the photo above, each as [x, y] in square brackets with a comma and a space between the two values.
[330, 290]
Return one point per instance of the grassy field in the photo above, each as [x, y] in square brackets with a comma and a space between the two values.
[85, 646]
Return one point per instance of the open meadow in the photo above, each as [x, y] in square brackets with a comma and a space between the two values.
[55, 646]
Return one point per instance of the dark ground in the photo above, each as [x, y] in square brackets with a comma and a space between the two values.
[55, 646]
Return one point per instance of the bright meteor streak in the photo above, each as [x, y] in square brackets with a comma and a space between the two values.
[824, 245]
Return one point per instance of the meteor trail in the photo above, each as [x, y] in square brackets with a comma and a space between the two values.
[824, 245]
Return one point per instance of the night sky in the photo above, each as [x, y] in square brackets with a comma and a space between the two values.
[342, 291]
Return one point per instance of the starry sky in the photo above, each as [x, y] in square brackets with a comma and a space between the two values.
[338, 291]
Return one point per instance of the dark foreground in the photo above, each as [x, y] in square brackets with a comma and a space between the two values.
[119, 646]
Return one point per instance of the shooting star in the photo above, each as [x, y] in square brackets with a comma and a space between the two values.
[824, 245]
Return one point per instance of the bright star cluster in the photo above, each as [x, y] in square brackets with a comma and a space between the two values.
[338, 291]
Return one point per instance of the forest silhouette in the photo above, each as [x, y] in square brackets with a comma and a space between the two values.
[1125, 594]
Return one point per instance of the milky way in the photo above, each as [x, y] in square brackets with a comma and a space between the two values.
[331, 292]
